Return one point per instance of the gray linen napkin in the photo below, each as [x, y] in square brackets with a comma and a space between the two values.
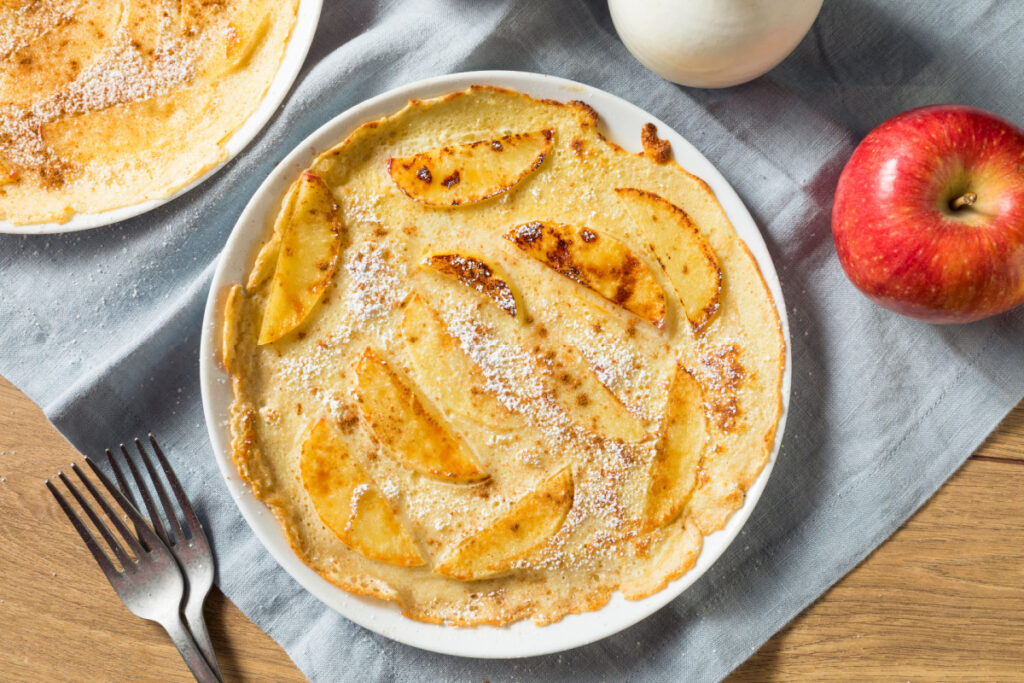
[101, 328]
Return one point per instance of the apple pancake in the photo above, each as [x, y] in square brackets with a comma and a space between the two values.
[511, 367]
[106, 104]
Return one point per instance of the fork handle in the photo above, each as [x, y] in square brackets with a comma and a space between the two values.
[190, 651]
[197, 627]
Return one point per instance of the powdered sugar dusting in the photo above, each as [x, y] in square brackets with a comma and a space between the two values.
[313, 368]
[617, 365]
[511, 374]
[122, 75]
[18, 28]
[377, 282]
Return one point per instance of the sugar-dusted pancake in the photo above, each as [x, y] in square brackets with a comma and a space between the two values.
[105, 104]
[553, 365]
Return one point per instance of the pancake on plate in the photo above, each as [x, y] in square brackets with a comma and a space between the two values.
[105, 104]
[491, 366]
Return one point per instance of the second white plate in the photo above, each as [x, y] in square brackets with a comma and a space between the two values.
[301, 38]
[622, 122]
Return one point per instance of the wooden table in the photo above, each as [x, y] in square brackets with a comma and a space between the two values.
[944, 598]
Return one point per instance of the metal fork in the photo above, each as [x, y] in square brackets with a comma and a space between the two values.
[192, 551]
[150, 584]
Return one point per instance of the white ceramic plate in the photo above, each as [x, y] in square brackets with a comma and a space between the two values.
[294, 55]
[622, 122]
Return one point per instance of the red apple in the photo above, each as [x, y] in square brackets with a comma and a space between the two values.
[928, 217]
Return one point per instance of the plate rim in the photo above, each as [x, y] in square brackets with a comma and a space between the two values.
[523, 638]
[307, 18]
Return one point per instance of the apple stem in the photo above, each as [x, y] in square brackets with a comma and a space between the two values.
[966, 199]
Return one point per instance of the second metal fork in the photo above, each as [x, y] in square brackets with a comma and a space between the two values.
[149, 581]
[189, 543]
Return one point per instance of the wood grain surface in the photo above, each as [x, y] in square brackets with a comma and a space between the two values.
[942, 599]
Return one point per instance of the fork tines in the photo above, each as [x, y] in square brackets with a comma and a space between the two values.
[171, 532]
[131, 540]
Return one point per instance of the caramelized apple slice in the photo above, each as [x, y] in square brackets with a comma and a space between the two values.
[348, 501]
[463, 174]
[689, 262]
[266, 259]
[101, 136]
[229, 332]
[307, 259]
[683, 434]
[531, 521]
[596, 261]
[445, 371]
[401, 423]
[245, 31]
[476, 274]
